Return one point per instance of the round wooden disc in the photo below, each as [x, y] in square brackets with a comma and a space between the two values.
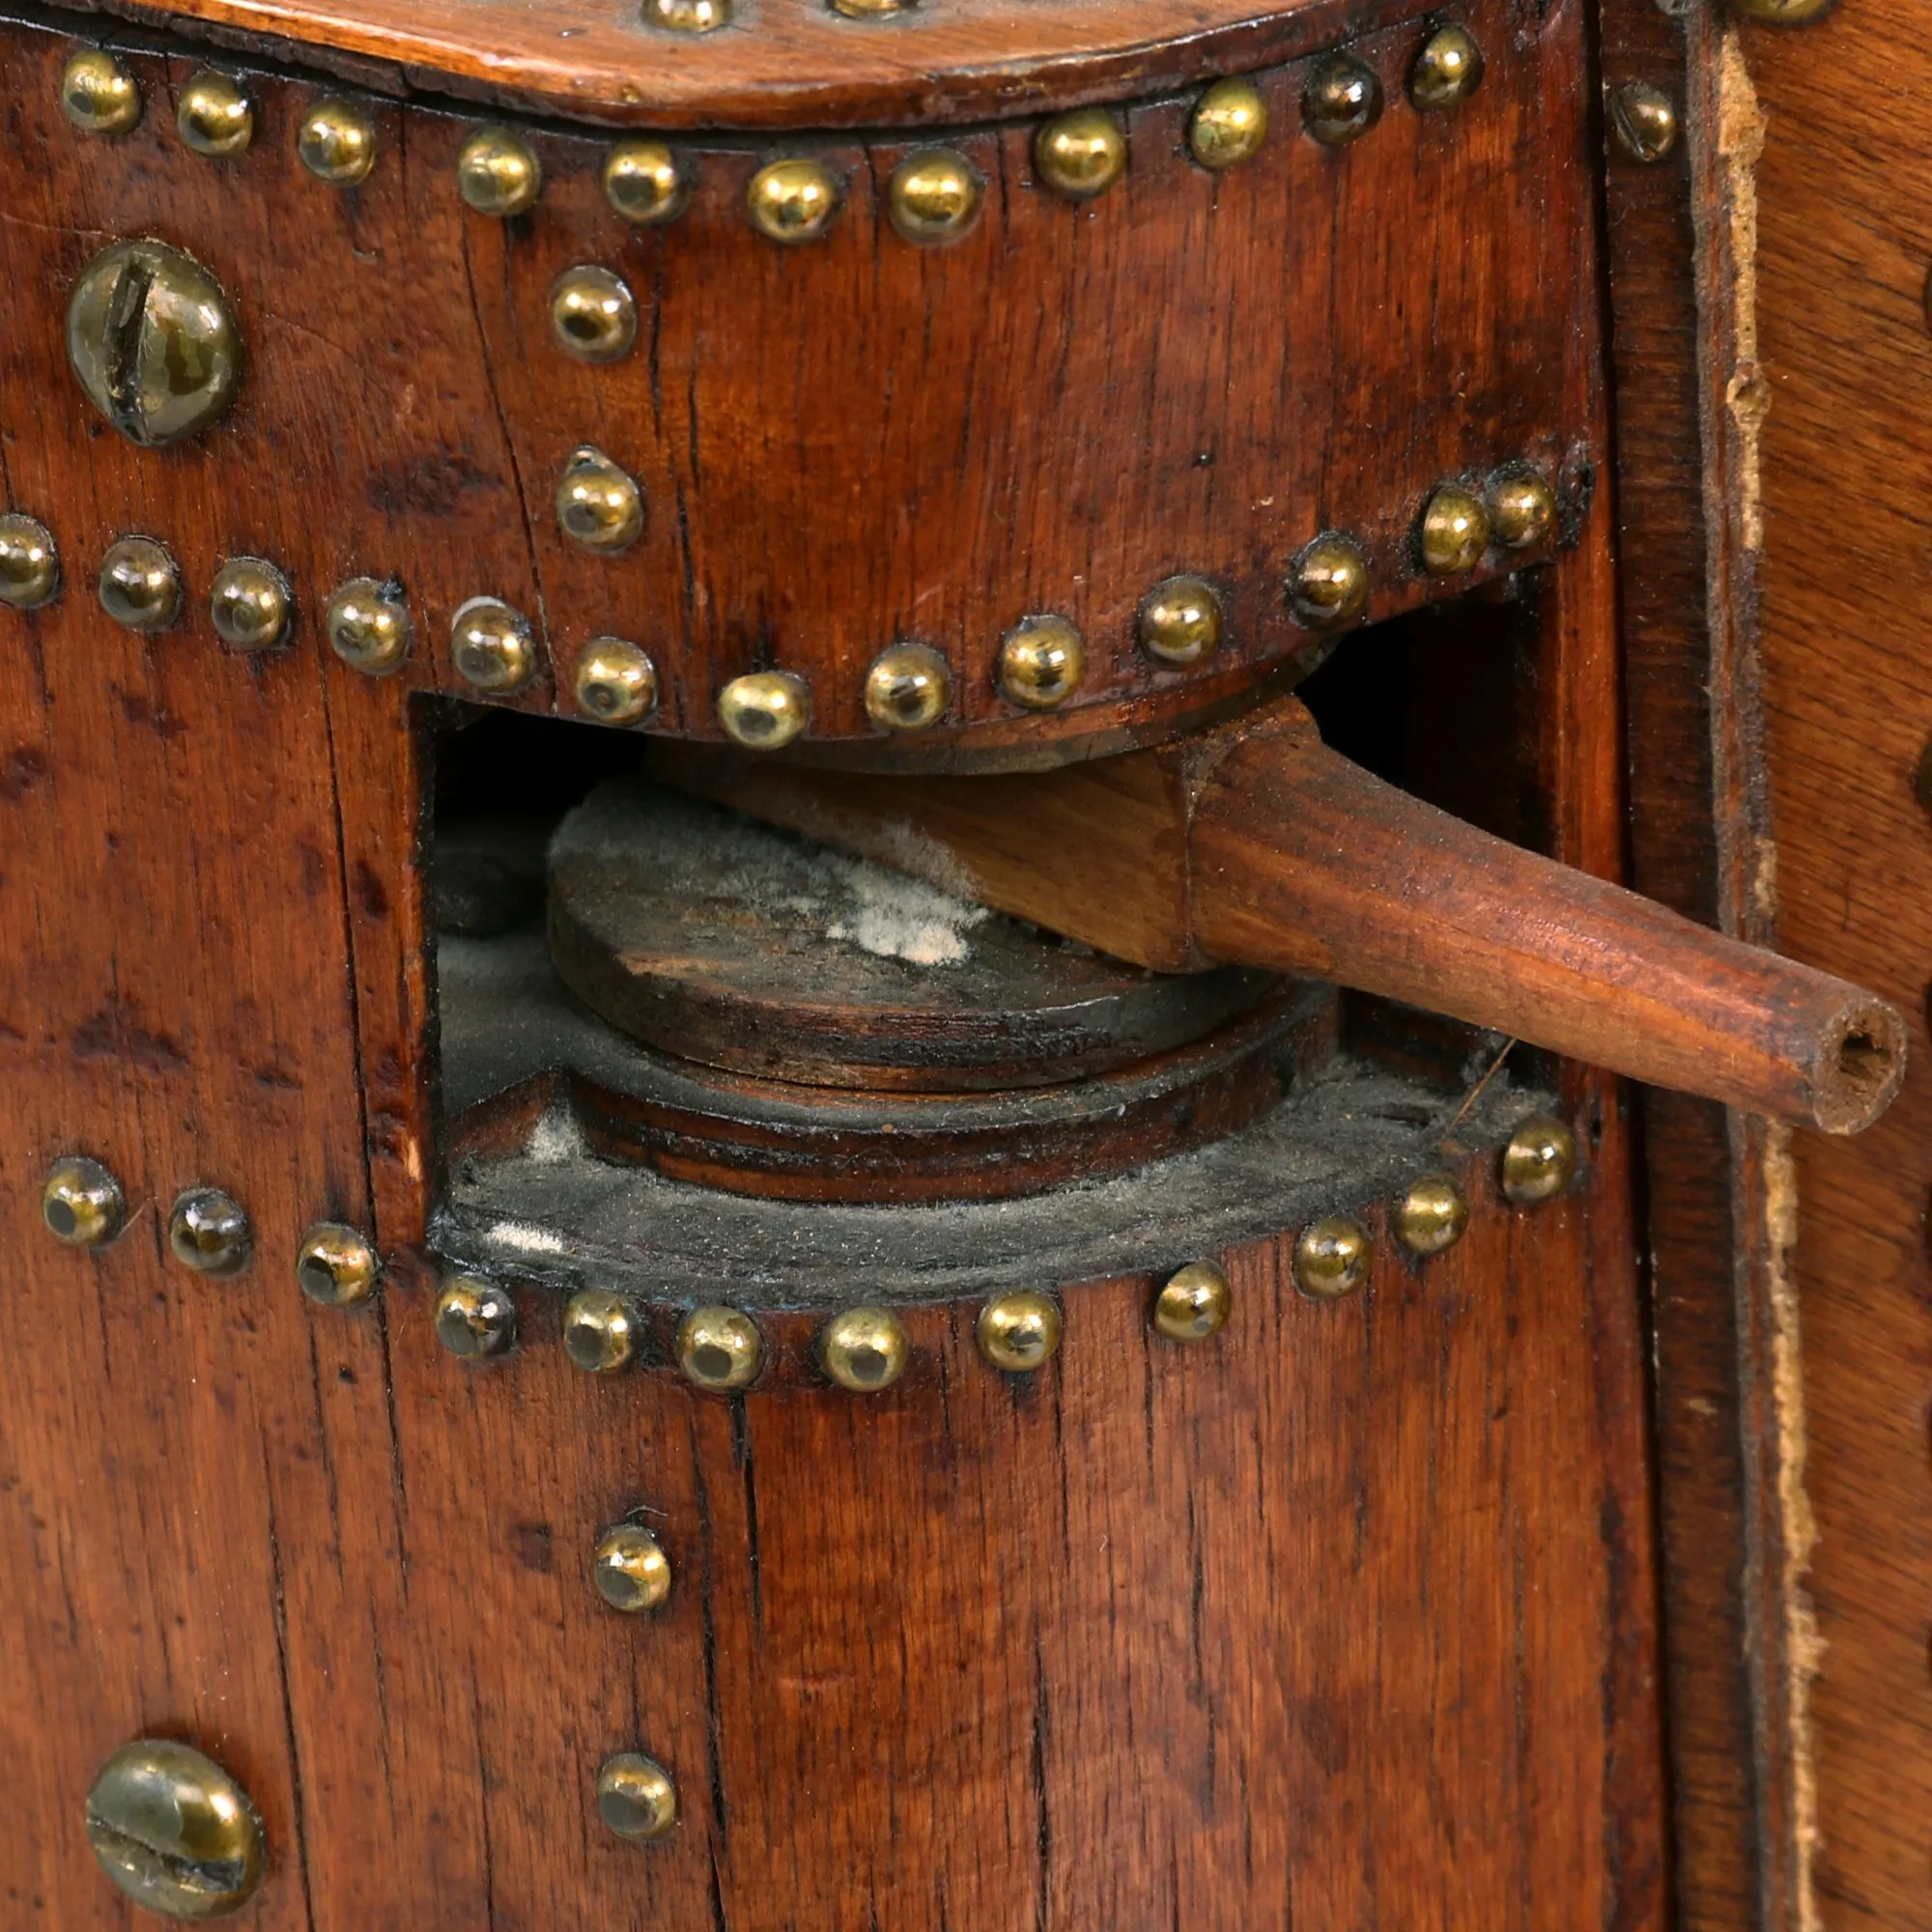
[705, 934]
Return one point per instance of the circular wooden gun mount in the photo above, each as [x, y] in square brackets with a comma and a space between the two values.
[1257, 845]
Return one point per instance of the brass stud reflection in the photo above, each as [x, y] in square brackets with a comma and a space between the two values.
[337, 142]
[1019, 1330]
[249, 605]
[1455, 532]
[491, 647]
[139, 586]
[1342, 100]
[636, 1798]
[598, 502]
[336, 1266]
[1332, 1258]
[630, 1569]
[174, 1832]
[1229, 125]
[82, 1203]
[1080, 154]
[497, 173]
[688, 16]
[934, 195]
[1448, 68]
[368, 625]
[475, 1316]
[29, 563]
[792, 201]
[1540, 1160]
[765, 710]
[600, 1330]
[1329, 584]
[1522, 509]
[592, 315]
[98, 94]
[1041, 662]
[1644, 120]
[864, 1349]
[616, 681]
[646, 181]
[720, 1349]
[208, 1232]
[214, 116]
[1179, 621]
[1432, 1216]
[907, 688]
[1194, 1303]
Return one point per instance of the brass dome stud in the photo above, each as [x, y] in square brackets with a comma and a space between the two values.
[491, 645]
[29, 563]
[174, 1832]
[1781, 13]
[1194, 1303]
[1432, 1216]
[719, 1349]
[792, 201]
[214, 116]
[869, 10]
[1448, 68]
[1644, 118]
[1229, 125]
[864, 1349]
[598, 502]
[616, 682]
[646, 181]
[934, 195]
[600, 1330]
[630, 1569]
[249, 604]
[1540, 1160]
[1455, 532]
[636, 1798]
[1080, 154]
[1019, 1330]
[475, 1316]
[1342, 100]
[1179, 621]
[1042, 661]
[337, 142]
[1328, 584]
[688, 16]
[1332, 1258]
[497, 173]
[208, 1232]
[592, 315]
[908, 688]
[335, 1266]
[99, 96]
[139, 586]
[368, 625]
[1522, 509]
[82, 1203]
[765, 710]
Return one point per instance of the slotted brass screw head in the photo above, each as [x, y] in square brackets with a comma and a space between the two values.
[591, 314]
[1540, 1160]
[1448, 68]
[337, 142]
[1041, 662]
[208, 1232]
[1455, 532]
[174, 1831]
[1522, 509]
[368, 625]
[795, 200]
[600, 1330]
[1229, 125]
[630, 1569]
[934, 195]
[616, 682]
[1332, 1258]
[1432, 1216]
[491, 647]
[497, 173]
[336, 1266]
[646, 181]
[1644, 120]
[475, 1316]
[82, 1203]
[1179, 621]
[1080, 154]
[1194, 1303]
[864, 1349]
[214, 116]
[908, 688]
[1019, 1330]
[98, 94]
[1342, 100]
[139, 586]
[598, 502]
[688, 16]
[29, 563]
[1328, 584]
[249, 604]
[720, 1349]
[765, 710]
[636, 1798]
